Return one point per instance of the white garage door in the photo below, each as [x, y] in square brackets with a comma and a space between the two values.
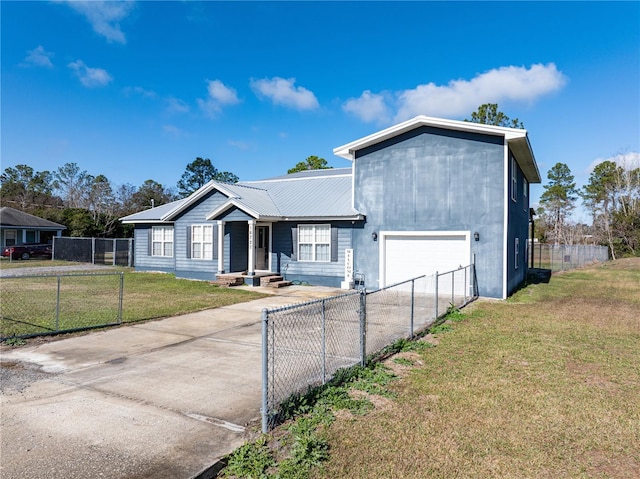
[406, 255]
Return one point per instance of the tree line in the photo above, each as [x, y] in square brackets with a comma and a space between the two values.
[91, 206]
[612, 197]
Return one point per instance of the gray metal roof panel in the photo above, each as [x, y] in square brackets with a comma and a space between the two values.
[153, 214]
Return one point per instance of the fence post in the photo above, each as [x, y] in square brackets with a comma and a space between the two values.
[413, 284]
[466, 284]
[130, 253]
[265, 371]
[93, 251]
[58, 306]
[363, 328]
[453, 288]
[114, 252]
[324, 344]
[120, 299]
[436, 297]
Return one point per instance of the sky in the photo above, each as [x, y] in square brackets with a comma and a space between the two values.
[138, 90]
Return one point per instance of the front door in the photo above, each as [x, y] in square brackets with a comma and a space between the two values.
[262, 248]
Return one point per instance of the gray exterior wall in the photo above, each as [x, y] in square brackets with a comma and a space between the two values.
[321, 274]
[143, 260]
[431, 179]
[518, 214]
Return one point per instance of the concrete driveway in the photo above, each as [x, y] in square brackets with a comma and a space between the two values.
[162, 399]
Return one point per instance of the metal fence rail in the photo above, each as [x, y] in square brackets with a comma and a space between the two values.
[40, 305]
[304, 345]
[564, 257]
[109, 251]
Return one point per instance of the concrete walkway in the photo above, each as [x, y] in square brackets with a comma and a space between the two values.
[162, 399]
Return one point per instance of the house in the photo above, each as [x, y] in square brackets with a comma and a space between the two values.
[422, 196]
[17, 228]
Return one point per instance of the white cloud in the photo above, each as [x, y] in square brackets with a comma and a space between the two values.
[38, 57]
[138, 90]
[282, 91]
[104, 16]
[369, 107]
[460, 97]
[90, 77]
[219, 95]
[175, 105]
[628, 161]
[174, 131]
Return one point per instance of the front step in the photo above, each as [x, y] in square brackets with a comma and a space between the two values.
[228, 280]
[274, 281]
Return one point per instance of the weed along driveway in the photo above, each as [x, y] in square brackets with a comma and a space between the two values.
[161, 399]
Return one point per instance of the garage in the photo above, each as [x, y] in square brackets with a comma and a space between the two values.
[407, 254]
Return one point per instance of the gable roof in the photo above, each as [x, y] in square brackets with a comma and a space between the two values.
[516, 138]
[10, 217]
[313, 194]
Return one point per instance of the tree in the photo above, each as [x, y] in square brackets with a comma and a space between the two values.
[73, 185]
[613, 196]
[489, 114]
[198, 173]
[558, 200]
[311, 163]
[150, 194]
[25, 187]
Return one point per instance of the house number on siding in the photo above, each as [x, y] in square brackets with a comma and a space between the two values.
[348, 264]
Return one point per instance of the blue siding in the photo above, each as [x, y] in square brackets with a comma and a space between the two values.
[196, 268]
[518, 228]
[431, 179]
[321, 274]
[142, 259]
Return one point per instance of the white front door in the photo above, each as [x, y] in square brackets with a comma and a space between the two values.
[262, 248]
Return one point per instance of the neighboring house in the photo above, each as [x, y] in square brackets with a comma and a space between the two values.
[422, 196]
[17, 228]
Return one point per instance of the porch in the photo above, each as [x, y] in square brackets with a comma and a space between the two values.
[266, 279]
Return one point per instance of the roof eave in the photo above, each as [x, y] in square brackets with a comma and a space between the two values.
[348, 151]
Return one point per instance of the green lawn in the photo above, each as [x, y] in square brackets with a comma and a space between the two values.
[545, 384]
[29, 305]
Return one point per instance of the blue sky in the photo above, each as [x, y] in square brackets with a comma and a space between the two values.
[137, 90]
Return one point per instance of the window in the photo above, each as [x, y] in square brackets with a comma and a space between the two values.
[162, 241]
[202, 242]
[314, 243]
[514, 180]
[525, 193]
[10, 237]
[517, 255]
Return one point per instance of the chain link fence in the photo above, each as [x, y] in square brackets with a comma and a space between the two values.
[108, 251]
[40, 305]
[564, 257]
[304, 345]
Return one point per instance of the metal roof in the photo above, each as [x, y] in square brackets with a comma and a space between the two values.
[153, 214]
[313, 194]
[20, 219]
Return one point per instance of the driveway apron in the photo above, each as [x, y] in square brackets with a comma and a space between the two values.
[161, 399]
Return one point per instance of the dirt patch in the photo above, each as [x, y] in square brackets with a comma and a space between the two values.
[602, 464]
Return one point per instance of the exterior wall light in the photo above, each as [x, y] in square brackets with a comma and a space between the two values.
[476, 236]
[374, 235]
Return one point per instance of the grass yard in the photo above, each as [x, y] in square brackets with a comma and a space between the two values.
[28, 305]
[543, 385]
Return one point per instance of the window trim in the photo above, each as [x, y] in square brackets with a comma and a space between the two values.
[202, 257]
[162, 242]
[314, 243]
[525, 193]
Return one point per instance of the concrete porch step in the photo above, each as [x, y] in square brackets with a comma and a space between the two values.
[265, 280]
[278, 284]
